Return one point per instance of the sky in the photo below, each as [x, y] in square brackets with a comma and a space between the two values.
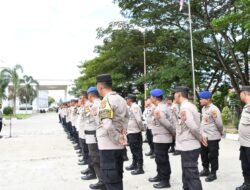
[50, 37]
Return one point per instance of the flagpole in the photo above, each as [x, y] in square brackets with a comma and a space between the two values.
[192, 49]
[145, 66]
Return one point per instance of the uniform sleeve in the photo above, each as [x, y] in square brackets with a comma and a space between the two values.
[95, 113]
[138, 117]
[164, 121]
[217, 119]
[188, 118]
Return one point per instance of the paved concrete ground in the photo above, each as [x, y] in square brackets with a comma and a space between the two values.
[39, 157]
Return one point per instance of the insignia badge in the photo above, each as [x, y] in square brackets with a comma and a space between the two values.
[214, 114]
[158, 114]
[103, 103]
[183, 116]
[95, 111]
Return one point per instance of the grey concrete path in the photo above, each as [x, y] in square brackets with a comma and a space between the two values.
[39, 157]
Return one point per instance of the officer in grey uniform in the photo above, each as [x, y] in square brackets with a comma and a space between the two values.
[1, 119]
[188, 139]
[134, 135]
[149, 118]
[212, 128]
[163, 134]
[244, 133]
[111, 134]
[90, 131]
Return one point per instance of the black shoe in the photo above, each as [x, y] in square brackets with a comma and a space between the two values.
[85, 172]
[82, 163]
[154, 179]
[162, 184]
[79, 152]
[81, 160]
[244, 187]
[77, 148]
[88, 177]
[204, 172]
[152, 156]
[98, 185]
[145, 141]
[211, 177]
[138, 171]
[131, 167]
[176, 153]
[150, 153]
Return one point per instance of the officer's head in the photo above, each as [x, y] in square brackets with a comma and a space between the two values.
[156, 96]
[245, 94]
[205, 98]
[181, 94]
[169, 100]
[104, 84]
[148, 102]
[92, 93]
[83, 96]
[131, 98]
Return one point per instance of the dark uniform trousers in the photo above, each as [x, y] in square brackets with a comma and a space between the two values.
[190, 174]
[150, 139]
[84, 148]
[135, 144]
[210, 155]
[245, 163]
[1, 124]
[162, 160]
[112, 168]
[95, 160]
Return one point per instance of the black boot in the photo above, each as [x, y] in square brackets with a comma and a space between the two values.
[85, 172]
[244, 186]
[98, 185]
[176, 153]
[152, 156]
[162, 184]
[133, 166]
[82, 163]
[89, 176]
[211, 177]
[138, 171]
[150, 153]
[204, 172]
[154, 179]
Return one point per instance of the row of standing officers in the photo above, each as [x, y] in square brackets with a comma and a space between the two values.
[102, 129]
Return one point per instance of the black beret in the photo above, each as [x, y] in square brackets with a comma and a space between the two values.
[245, 88]
[84, 93]
[106, 78]
[132, 97]
[170, 97]
[183, 89]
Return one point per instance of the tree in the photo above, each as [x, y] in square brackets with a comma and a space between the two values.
[4, 81]
[27, 91]
[14, 78]
[51, 100]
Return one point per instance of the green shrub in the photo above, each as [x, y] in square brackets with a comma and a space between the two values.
[8, 110]
[226, 115]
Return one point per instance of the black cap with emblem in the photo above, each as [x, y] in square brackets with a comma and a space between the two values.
[245, 88]
[182, 89]
[131, 97]
[104, 78]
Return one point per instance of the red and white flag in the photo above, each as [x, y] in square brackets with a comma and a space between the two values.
[181, 4]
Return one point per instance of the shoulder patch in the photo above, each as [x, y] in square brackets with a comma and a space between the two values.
[183, 115]
[158, 114]
[214, 113]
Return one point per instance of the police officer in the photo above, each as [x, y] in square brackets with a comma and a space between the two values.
[111, 134]
[188, 139]
[149, 118]
[244, 132]
[90, 132]
[89, 173]
[212, 128]
[134, 135]
[163, 134]
[1, 119]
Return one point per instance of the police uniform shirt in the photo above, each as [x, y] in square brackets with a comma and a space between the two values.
[188, 128]
[163, 131]
[92, 122]
[150, 119]
[244, 126]
[135, 124]
[113, 120]
[73, 115]
[211, 123]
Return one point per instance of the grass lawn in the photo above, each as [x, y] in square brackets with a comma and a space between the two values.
[18, 116]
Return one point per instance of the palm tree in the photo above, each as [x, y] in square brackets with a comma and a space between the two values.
[14, 78]
[27, 93]
[4, 81]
